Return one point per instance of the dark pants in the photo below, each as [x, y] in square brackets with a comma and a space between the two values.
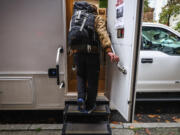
[88, 66]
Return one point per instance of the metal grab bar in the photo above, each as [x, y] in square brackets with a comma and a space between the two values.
[119, 66]
[59, 50]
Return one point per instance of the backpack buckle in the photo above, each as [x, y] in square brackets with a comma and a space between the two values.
[79, 14]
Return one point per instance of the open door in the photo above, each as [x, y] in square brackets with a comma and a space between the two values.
[122, 86]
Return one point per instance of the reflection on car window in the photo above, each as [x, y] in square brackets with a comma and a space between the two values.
[160, 39]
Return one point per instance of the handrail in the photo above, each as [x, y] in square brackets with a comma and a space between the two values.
[59, 50]
[57, 55]
[119, 66]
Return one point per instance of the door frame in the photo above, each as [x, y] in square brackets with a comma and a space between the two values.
[65, 47]
[67, 93]
[137, 53]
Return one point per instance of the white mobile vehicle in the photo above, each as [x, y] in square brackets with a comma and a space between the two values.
[159, 60]
[31, 31]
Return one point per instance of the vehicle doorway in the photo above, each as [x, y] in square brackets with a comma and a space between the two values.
[72, 82]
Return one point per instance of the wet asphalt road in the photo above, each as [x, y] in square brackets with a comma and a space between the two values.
[157, 111]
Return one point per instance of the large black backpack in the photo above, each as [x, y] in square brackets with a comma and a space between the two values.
[82, 31]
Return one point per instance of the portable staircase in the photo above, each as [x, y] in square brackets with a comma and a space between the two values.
[78, 123]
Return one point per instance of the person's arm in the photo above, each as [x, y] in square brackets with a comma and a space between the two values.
[100, 26]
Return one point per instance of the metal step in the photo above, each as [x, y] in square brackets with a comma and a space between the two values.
[100, 101]
[72, 114]
[86, 129]
[101, 110]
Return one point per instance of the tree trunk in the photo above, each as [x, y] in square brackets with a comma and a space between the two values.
[168, 22]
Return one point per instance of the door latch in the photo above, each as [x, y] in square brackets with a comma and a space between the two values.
[146, 60]
[62, 85]
[177, 81]
[119, 66]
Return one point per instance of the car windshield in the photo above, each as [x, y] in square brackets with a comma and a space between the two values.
[158, 38]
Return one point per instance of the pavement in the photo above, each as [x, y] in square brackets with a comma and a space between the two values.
[117, 129]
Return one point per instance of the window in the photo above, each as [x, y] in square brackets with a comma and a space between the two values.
[160, 39]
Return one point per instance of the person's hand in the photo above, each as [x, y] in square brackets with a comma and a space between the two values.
[114, 58]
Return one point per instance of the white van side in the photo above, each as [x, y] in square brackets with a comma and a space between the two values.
[30, 33]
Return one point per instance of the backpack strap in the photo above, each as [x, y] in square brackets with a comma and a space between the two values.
[70, 25]
[84, 21]
[79, 14]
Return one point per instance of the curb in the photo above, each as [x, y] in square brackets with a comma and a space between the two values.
[148, 125]
[37, 127]
[30, 127]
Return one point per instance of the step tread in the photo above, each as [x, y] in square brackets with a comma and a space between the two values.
[86, 128]
[99, 109]
[99, 100]
[74, 98]
[102, 102]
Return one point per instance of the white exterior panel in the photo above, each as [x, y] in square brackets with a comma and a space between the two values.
[30, 33]
[162, 75]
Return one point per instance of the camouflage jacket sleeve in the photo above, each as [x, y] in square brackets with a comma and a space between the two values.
[100, 26]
